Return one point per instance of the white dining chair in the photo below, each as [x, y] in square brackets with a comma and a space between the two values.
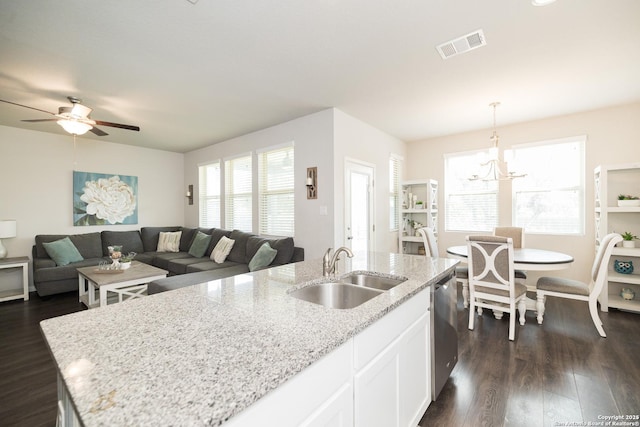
[491, 279]
[517, 235]
[574, 289]
[431, 249]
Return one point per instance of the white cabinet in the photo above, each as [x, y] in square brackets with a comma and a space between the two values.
[412, 212]
[321, 395]
[610, 181]
[392, 383]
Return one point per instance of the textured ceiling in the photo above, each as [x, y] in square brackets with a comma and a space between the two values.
[191, 75]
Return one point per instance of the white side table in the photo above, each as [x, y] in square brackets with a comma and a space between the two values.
[12, 294]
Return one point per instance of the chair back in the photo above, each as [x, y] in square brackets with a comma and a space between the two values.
[516, 234]
[490, 261]
[601, 262]
[430, 242]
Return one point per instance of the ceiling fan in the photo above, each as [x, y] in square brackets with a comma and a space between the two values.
[75, 119]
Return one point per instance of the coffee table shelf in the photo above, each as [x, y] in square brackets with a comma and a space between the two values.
[129, 284]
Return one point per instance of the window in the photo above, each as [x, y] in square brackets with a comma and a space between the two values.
[469, 205]
[209, 184]
[275, 191]
[238, 195]
[394, 192]
[550, 199]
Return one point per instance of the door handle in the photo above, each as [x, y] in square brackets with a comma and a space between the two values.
[350, 238]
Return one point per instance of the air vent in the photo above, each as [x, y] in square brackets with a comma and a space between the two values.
[462, 44]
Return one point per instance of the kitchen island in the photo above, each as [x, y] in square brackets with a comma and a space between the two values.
[208, 354]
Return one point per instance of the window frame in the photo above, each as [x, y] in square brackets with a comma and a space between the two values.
[476, 156]
[264, 193]
[580, 187]
[204, 197]
[395, 182]
[229, 197]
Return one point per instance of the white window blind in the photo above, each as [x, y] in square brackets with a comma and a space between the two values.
[275, 192]
[238, 194]
[550, 199]
[469, 205]
[394, 192]
[209, 185]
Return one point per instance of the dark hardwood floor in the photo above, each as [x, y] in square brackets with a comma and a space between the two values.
[560, 371]
[556, 372]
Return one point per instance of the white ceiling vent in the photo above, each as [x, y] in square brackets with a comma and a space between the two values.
[462, 44]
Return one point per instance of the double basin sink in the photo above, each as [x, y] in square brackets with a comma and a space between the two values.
[348, 292]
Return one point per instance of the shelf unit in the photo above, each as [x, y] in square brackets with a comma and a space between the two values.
[425, 190]
[611, 180]
[23, 291]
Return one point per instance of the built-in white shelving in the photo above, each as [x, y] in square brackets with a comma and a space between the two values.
[425, 191]
[610, 181]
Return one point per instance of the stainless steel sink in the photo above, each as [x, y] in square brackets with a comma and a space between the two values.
[336, 295]
[373, 282]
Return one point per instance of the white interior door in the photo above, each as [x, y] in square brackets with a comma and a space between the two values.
[359, 224]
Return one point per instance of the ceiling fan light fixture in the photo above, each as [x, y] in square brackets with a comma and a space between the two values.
[74, 127]
[542, 2]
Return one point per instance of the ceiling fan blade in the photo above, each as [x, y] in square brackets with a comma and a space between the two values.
[117, 125]
[98, 132]
[40, 120]
[26, 106]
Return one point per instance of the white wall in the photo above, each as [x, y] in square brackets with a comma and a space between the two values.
[613, 136]
[355, 139]
[313, 139]
[36, 172]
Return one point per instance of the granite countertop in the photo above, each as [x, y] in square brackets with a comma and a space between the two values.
[200, 354]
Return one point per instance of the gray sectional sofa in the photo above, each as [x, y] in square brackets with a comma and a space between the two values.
[184, 269]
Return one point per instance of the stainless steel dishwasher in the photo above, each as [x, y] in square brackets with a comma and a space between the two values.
[444, 332]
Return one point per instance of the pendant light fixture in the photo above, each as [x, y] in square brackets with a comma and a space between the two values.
[495, 169]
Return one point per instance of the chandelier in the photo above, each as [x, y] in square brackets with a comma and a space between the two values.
[495, 169]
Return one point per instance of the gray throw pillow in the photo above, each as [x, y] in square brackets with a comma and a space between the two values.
[62, 251]
[263, 257]
[199, 245]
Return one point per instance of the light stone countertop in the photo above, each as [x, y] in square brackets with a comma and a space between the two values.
[198, 355]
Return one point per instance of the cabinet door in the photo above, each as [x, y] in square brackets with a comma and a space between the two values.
[337, 411]
[414, 373]
[376, 391]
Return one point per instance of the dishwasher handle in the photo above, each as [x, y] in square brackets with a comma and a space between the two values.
[444, 281]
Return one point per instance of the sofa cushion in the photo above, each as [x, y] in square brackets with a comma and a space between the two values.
[179, 265]
[239, 251]
[62, 251]
[199, 244]
[89, 245]
[162, 259]
[150, 236]
[169, 241]
[263, 257]
[129, 240]
[187, 237]
[222, 249]
[284, 246]
[211, 265]
[216, 235]
[66, 272]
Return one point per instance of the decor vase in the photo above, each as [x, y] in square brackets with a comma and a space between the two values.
[628, 244]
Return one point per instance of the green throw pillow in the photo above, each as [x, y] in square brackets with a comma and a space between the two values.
[263, 257]
[200, 244]
[63, 251]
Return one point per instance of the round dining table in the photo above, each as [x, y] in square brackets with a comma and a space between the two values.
[525, 258]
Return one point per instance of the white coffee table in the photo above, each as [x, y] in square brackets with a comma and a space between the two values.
[127, 284]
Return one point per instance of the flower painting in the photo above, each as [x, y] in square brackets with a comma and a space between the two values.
[101, 199]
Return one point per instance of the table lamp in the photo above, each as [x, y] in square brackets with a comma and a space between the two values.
[7, 231]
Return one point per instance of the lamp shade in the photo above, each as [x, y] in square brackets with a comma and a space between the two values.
[74, 127]
[8, 228]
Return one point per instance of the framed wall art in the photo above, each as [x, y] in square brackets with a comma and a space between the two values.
[104, 199]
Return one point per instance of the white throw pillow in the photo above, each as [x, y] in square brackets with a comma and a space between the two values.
[222, 249]
[169, 241]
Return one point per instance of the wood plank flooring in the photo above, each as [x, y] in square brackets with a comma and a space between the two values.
[560, 371]
[557, 372]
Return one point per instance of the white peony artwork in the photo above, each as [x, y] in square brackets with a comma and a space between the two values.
[102, 199]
